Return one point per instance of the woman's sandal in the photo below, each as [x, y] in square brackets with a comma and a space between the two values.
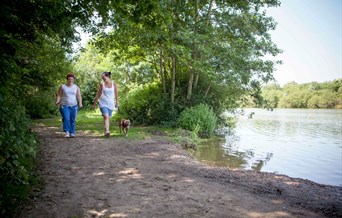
[107, 134]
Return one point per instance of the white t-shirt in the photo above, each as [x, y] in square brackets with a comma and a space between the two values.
[107, 97]
[68, 97]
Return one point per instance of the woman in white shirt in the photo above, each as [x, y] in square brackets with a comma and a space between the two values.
[67, 97]
[107, 94]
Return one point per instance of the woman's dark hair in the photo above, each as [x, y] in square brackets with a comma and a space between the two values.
[70, 75]
[107, 74]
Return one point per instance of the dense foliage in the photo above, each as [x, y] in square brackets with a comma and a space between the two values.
[34, 38]
[17, 155]
[307, 95]
[144, 104]
[200, 119]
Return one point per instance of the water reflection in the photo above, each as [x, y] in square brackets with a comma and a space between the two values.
[295, 142]
[212, 153]
[251, 158]
[225, 153]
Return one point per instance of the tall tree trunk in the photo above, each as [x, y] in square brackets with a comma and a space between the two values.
[191, 80]
[127, 73]
[194, 55]
[165, 72]
[208, 23]
[207, 91]
[161, 58]
[173, 80]
[209, 11]
[196, 80]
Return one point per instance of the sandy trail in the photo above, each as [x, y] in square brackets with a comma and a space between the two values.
[92, 176]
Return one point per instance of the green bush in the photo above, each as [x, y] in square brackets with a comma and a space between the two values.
[18, 149]
[145, 104]
[200, 119]
[88, 92]
[40, 105]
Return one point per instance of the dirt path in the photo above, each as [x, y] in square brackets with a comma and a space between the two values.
[96, 177]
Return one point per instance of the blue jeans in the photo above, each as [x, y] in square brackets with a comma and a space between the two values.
[69, 114]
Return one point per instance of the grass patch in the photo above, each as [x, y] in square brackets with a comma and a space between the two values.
[91, 121]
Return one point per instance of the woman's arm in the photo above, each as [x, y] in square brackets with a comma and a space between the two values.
[59, 94]
[79, 97]
[116, 95]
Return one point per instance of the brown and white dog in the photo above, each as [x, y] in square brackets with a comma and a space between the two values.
[124, 126]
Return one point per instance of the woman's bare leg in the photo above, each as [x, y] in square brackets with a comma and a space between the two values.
[106, 123]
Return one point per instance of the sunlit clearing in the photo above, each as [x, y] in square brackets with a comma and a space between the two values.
[130, 173]
[98, 213]
[118, 215]
[172, 176]
[187, 180]
[277, 201]
[177, 156]
[279, 177]
[99, 174]
[154, 154]
[292, 183]
[275, 214]
[93, 113]
[97, 139]
[87, 132]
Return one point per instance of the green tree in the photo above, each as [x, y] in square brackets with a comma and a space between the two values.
[196, 49]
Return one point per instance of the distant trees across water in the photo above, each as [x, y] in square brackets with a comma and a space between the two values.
[306, 95]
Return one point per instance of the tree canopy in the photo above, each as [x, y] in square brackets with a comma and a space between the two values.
[210, 52]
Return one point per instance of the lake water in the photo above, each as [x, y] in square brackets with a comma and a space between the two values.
[301, 143]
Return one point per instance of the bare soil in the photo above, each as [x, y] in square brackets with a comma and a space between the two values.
[91, 176]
